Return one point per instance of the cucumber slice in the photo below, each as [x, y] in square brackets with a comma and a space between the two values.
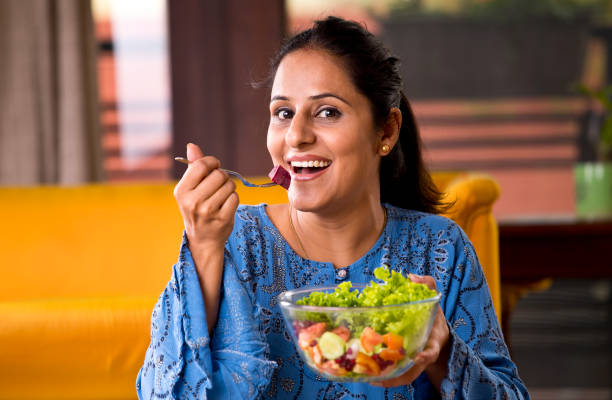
[332, 346]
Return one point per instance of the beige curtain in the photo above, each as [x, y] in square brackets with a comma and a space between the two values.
[49, 126]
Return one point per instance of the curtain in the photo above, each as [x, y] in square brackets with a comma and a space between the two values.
[49, 125]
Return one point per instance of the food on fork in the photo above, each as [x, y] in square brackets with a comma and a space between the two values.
[280, 176]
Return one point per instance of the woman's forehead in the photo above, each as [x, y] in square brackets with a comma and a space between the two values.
[307, 72]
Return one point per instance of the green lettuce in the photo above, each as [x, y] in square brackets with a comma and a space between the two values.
[394, 289]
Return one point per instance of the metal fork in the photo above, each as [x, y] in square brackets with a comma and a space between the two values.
[234, 174]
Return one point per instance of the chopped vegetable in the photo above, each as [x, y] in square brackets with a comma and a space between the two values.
[366, 343]
[370, 339]
[332, 346]
[280, 176]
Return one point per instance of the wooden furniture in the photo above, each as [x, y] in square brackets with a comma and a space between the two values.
[558, 248]
[533, 251]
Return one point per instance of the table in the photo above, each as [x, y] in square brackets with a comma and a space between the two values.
[534, 250]
[555, 247]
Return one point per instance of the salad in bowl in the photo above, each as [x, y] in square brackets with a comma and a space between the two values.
[361, 332]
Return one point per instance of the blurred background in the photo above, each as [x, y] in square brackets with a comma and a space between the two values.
[111, 90]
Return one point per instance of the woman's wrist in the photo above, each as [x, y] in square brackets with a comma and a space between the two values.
[437, 371]
[204, 251]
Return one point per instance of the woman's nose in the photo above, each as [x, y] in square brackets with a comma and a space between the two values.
[299, 132]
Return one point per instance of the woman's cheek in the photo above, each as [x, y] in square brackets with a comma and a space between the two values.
[274, 144]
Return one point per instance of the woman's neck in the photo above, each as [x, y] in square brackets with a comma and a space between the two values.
[340, 236]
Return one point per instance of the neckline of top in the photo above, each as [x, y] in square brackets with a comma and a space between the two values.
[373, 250]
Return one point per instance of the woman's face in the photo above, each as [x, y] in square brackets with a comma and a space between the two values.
[322, 131]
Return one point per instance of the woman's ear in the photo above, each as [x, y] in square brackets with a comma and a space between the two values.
[389, 134]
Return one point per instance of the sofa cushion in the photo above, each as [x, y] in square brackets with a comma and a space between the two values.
[73, 348]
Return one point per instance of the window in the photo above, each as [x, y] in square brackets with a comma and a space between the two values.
[134, 88]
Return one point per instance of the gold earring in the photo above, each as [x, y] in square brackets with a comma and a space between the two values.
[385, 148]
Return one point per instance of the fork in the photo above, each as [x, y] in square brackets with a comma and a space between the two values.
[234, 174]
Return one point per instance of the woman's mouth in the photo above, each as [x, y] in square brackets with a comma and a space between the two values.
[308, 168]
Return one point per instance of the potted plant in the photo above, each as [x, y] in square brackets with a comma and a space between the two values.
[593, 172]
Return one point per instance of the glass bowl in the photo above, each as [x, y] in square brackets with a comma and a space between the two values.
[357, 343]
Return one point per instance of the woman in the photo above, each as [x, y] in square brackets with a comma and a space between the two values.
[365, 200]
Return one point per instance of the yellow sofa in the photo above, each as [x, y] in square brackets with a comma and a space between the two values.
[82, 268]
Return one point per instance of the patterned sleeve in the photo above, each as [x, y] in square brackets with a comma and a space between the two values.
[182, 362]
[479, 364]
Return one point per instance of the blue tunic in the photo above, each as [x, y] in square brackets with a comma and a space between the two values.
[251, 354]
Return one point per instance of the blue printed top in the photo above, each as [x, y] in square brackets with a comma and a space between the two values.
[251, 354]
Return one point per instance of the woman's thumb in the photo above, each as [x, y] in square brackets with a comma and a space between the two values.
[427, 280]
[194, 152]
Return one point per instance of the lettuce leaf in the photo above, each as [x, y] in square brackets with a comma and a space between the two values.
[394, 289]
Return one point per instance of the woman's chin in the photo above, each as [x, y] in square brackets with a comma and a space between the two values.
[305, 200]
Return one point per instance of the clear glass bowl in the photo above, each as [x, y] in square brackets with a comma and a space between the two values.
[357, 343]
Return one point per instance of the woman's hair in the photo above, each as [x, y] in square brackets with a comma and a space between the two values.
[404, 181]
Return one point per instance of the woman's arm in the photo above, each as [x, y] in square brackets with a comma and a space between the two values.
[182, 361]
[207, 201]
[209, 266]
[479, 364]
[465, 356]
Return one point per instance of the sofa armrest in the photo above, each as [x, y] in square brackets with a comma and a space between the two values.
[472, 196]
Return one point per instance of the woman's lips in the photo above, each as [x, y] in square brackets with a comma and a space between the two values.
[305, 167]
[307, 173]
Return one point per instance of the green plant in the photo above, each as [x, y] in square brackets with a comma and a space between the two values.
[604, 97]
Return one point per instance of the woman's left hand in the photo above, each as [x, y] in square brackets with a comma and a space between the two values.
[434, 357]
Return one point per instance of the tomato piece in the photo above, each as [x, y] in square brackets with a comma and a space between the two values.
[366, 364]
[370, 339]
[309, 351]
[332, 368]
[305, 339]
[391, 354]
[393, 341]
[317, 356]
[316, 329]
[343, 332]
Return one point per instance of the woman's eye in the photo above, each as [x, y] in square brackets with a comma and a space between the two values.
[283, 113]
[328, 113]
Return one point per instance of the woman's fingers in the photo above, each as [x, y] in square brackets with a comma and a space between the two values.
[407, 378]
[210, 184]
[428, 280]
[195, 174]
[194, 152]
[430, 353]
[228, 209]
[215, 201]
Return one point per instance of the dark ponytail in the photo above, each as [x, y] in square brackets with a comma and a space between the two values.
[404, 181]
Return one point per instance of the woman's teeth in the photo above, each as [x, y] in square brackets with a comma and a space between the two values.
[307, 167]
[309, 164]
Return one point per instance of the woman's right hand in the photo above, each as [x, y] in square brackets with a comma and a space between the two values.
[207, 201]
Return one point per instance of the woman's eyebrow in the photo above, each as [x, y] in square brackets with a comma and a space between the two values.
[278, 97]
[324, 95]
[315, 97]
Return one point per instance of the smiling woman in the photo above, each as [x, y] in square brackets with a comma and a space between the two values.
[359, 197]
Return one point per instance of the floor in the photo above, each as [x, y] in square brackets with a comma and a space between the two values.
[561, 341]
